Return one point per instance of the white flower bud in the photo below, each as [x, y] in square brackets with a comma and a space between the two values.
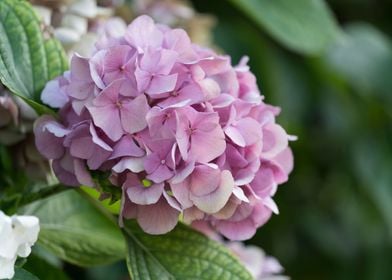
[17, 235]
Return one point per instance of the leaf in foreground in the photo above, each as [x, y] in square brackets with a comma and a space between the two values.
[28, 57]
[180, 254]
[74, 230]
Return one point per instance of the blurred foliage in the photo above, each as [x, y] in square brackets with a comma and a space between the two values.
[336, 210]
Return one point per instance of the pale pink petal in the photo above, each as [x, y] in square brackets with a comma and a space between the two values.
[157, 218]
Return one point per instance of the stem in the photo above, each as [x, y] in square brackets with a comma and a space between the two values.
[43, 193]
[11, 205]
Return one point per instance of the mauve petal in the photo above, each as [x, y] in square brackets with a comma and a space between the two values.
[81, 173]
[143, 79]
[181, 193]
[98, 157]
[160, 84]
[274, 140]
[204, 180]
[149, 60]
[270, 203]
[208, 146]
[264, 182]
[80, 68]
[54, 95]
[235, 135]
[285, 161]
[97, 140]
[261, 214]
[152, 162]
[179, 41]
[65, 176]
[129, 163]
[172, 201]
[188, 95]
[167, 60]
[192, 214]
[216, 200]
[144, 196]
[250, 130]
[126, 146]
[239, 193]
[182, 137]
[157, 218]
[143, 33]
[242, 230]
[82, 147]
[109, 96]
[133, 114]
[128, 209]
[108, 119]
[210, 88]
[117, 57]
[161, 174]
[46, 141]
[96, 68]
[183, 173]
[228, 210]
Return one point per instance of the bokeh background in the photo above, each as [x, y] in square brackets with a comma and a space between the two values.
[328, 65]
[335, 217]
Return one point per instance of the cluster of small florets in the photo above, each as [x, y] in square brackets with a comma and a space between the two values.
[181, 131]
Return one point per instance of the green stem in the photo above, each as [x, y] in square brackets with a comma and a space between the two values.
[11, 204]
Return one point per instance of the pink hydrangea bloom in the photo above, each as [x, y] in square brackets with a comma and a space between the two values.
[174, 125]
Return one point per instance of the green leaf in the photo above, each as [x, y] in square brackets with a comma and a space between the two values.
[364, 59]
[76, 231]
[28, 56]
[305, 26]
[43, 269]
[181, 254]
[21, 274]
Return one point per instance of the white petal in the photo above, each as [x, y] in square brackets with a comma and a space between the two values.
[7, 268]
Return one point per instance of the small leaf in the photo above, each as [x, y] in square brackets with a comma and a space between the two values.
[76, 231]
[181, 254]
[21, 274]
[27, 59]
[305, 26]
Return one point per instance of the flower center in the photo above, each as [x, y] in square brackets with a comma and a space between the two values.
[146, 183]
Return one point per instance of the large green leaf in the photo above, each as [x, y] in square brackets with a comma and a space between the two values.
[306, 26]
[29, 56]
[21, 274]
[364, 59]
[76, 231]
[181, 254]
[43, 269]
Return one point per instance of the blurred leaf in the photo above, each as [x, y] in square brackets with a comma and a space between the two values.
[76, 231]
[27, 59]
[21, 274]
[305, 26]
[181, 254]
[364, 58]
[43, 269]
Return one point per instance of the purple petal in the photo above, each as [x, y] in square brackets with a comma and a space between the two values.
[133, 114]
[157, 218]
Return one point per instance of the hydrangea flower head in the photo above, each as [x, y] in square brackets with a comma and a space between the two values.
[174, 125]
